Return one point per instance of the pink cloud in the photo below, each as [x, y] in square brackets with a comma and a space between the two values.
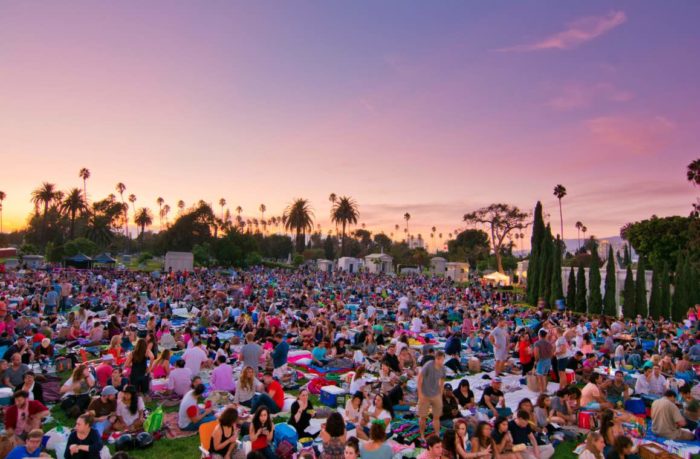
[635, 135]
[581, 96]
[577, 32]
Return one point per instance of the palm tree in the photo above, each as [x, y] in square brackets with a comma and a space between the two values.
[239, 210]
[132, 200]
[262, 210]
[298, 218]
[222, 203]
[560, 192]
[44, 196]
[166, 211]
[694, 172]
[583, 230]
[2, 198]
[160, 202]
[120, 189]
[333, 198]
[407, 217]
[84, 174]
[181, 206]
[73, 205]
[579, 225]
[344, 212]
[143, 219]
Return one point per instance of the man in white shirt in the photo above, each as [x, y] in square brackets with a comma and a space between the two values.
[194, 358]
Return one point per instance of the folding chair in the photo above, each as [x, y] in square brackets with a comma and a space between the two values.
[205, 431]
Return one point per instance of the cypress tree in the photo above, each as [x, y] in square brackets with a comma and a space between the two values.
[679, 300]
[557, 291]
[655, 296]
[627, 260]
[665, 294]
[571, 290]
[640, 297]
[694, 284]
[595, 299]
[533, 265]
[545, 263]
[609, 300]
[581, 305]
[629, 307]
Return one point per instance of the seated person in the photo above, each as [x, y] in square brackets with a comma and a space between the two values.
[272, 398]
[84, 442]
[246, 387]
[564, 405]
[103, 410]
[591, 395]
[31, 448]
[190, 417]
[618, 391]
[493, 397]
[354, 408]
[450, 405]
[180, 378]
[24, 415]
[464, 395]
[32, 387]
[130, 410]
[667, 420]
[301, 413]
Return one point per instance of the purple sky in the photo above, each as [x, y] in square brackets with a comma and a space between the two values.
[434, 108]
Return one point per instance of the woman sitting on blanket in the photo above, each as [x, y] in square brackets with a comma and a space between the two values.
[246, 387]
[381, 410]
[387, 378]
[407, 362]
[224, 439]
[130, 410]
[321, 352]
[301, 413]
[160, 367]
[355, 407]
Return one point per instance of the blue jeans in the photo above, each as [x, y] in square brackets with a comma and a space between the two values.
[101, 426]
[264, 400]
[194, 426]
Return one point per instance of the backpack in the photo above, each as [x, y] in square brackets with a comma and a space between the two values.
[284, 450]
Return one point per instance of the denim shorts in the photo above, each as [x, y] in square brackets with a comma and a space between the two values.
[543, 367]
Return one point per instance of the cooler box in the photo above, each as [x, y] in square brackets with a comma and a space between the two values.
[570, 376]
[5, 396]
[635, 406]
[586, 420]
[330, 395]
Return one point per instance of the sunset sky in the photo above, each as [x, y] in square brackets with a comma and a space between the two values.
[433, 108]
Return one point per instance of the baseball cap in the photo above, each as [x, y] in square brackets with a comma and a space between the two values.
[109, 390]
[498, 380]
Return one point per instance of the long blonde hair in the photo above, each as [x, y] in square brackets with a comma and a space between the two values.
[247, 382]
[590, 444]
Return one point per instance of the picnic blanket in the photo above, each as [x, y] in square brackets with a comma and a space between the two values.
[172, 430]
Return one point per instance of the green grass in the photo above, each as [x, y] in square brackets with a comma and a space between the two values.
[565, 450]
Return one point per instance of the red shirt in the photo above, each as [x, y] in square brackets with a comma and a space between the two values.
[103, 373]
[524, 352]
[279, 393]
[11, 412]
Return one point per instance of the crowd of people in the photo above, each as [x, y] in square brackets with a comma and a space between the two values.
[412, 346]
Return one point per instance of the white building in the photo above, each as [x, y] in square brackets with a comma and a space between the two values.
[438, 266]
[325, 266]
[349, 264]
[457, 271]
[379, 263]
[179, 261]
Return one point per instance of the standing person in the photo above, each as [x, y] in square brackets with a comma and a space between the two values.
[279, 356]
[138, 361]
[262, 431]
[251, 353]
[84, 442]
[563, 353]
[430, 381]
[544, 351]
[499, 340]
[195, 356]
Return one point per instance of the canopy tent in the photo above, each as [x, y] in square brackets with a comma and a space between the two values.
[497, 278]
[80, 261]
[104, 259]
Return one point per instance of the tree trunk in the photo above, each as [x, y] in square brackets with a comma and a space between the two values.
[561, 221]
[342, 248]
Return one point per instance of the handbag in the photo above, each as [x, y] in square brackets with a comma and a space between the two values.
[154, 421]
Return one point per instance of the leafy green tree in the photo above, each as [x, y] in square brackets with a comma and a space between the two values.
[556, 292]
[202, 254]
[658, 239]
[234, 248]
[298, 218]
[502, 220]
[189, 229]
[383, 241]
[275, 246]
[471, 245]
[609, 300]
[640, 297]
[595, 299]
[80, 245]
[628, 257]
[581, 295]
[345, 212]
[571, 290]
[629, 304]
[533, 267]
[329, 248]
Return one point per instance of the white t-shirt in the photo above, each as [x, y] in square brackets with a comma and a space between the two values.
[123, 411]
[403, 303]
[194, 357]
[189, 400]
[563, 343]
[416, 325]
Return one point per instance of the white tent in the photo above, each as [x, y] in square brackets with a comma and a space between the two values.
[497, 278]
